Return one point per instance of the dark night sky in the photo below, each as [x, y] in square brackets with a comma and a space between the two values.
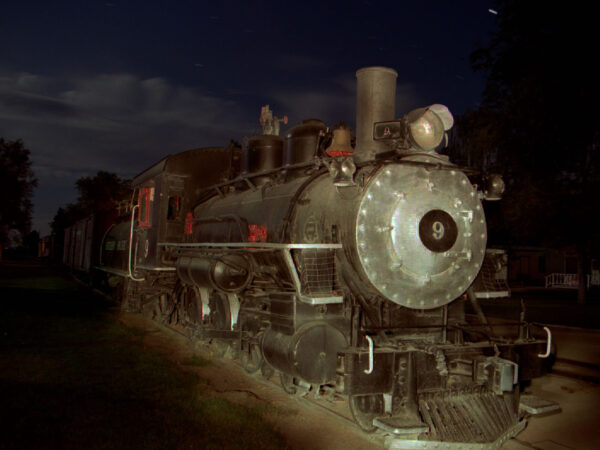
[117, 85]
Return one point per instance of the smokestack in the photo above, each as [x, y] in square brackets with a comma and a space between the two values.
[375, 102]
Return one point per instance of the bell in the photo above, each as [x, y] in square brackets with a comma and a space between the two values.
[340, 143]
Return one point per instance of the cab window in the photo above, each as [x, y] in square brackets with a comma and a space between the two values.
[173, 208]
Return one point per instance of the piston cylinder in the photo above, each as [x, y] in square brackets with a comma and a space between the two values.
[310, 353]
[230, 273]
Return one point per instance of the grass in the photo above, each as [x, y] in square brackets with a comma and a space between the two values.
[46, 283]
[74, 377]
[195, 361]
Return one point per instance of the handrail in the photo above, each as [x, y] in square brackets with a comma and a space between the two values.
[250, 245]
[370, 369]
[548, 344]
[129, 271]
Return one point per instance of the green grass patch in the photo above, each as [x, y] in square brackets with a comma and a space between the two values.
[48, 283]
[195, 361]
[75, 377]
[234, 421]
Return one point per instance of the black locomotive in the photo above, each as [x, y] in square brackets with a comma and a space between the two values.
[341, 264]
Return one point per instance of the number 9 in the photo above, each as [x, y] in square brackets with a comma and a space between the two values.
[438, 230]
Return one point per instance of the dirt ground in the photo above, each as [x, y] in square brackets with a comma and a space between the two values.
[303, 425]
[576, 426]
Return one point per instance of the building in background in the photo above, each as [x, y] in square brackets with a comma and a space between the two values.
[546, 267]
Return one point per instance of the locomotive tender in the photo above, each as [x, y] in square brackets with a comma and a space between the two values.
[342, 268]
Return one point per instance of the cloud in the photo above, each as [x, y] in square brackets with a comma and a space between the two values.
[116, 122]
[131, 100]
[33, 107]
[109, 102]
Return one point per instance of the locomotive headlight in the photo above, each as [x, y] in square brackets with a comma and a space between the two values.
[427, 126]
[427, 131]
[422, 128]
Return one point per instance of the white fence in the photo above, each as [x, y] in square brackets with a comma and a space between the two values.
[570, 280]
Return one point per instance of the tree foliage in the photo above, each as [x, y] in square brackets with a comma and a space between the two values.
[539, 123]
[99, 193]
[17, 182]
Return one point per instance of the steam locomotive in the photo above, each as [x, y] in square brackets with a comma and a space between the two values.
[341, 263]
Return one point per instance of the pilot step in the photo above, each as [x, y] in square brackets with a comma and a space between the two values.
[535, 405]
[400, 425]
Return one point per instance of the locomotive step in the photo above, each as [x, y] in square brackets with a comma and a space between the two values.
[400, 425]
[536, 405]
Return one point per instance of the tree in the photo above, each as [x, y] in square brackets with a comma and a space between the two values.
[17, 182]
[99, 193]
[539, 123]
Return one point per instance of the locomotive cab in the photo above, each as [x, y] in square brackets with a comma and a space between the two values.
[164, 194]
